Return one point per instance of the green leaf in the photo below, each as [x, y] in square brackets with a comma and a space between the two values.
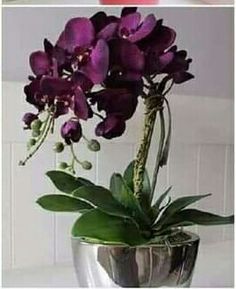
[178, 205]
[192, 216]
[98, 225]
[122, 192]
[161, 199]
[62, 203]
[166, 150]
[101, 198]
[65, 182]
[116, 186]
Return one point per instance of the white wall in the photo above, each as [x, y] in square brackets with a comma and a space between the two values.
[201, 161]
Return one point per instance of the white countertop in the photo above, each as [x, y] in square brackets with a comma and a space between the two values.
[214, 268]
[94, 2]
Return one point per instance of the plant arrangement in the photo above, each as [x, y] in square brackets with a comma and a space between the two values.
[101, 68]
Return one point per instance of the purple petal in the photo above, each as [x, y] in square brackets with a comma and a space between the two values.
[117, 101]
[79, 32]
[81, 109]
[40, 63]
[71, 131]
[126, 55]
[113, 126]
[129, 24]
[145, 29]
[34, 95]
[48, 47]
[28, 118]
[61, 42]
[62, 106]
[53, 86]
[108, 31]
[81, 80]
[165, 59]
[128, 10]
[99, 21]
[97, 67]
[182, 77]
[165, 37]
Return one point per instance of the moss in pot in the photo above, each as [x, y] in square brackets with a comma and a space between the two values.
[100, 68]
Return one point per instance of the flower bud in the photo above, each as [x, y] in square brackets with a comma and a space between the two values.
[36, 125]
[86, 165]
[31, 143]
[94, 145]
[62, 166]
[35, 133]
[28, 118]
[71, 131]
[58, 147]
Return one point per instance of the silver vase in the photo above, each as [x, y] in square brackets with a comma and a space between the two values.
[169, 264]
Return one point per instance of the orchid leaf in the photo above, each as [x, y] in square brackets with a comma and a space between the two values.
[65, 182]
[161, 199]
[124, 195]
[177, 206]
[193, 216]
[102, 199]
[63, 203]
[166, 149]
[98, 225]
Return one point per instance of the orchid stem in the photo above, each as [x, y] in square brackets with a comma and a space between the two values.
[142, 154]
[98, 115]
[44, 134]
[74, 155]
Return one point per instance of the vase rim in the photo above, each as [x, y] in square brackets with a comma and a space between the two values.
[193, 238]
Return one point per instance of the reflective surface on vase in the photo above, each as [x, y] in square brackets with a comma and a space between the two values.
[158, 265]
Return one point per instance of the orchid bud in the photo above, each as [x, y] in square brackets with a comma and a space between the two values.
[28, 118]
[31, 143]
[36, 125]
[71, 131]
[86, 165]
[58, 147]
[35, 133]
[62, 166]
[94, 145]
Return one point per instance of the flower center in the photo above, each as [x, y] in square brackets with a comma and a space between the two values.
[82, 55]
[125, 32]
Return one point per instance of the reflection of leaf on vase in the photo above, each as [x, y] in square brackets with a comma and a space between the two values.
[120, 264]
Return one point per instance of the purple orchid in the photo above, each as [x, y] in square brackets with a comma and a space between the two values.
[178, 67]
[112, 126]
[126, 60]
[104, 63]
[132, 29]
[116, 101]
[40, 63]
[90, 56]
[71, 131]
[28, 118]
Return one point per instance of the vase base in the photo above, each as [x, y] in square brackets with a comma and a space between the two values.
[157, 265]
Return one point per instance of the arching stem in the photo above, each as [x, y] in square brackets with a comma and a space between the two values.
[44, 134]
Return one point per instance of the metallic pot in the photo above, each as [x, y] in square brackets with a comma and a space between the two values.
[168, 264]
